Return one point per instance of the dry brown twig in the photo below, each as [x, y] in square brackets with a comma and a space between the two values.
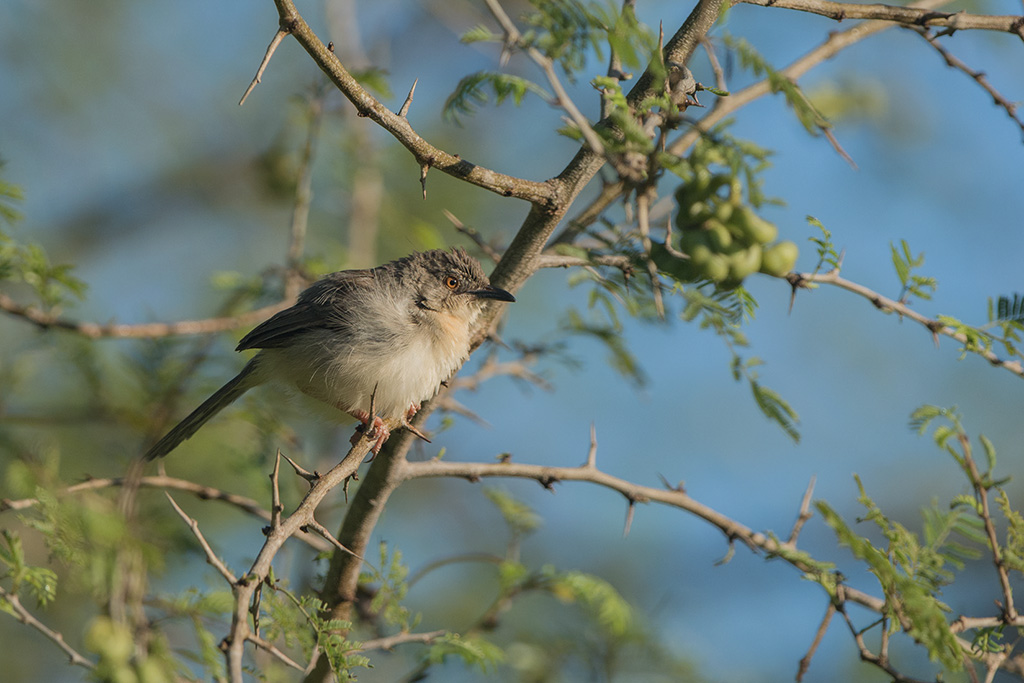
[562, 99]
[52, 320]
[19, 612]
[883, 303]
[211, 557]
[164, 482]
[978, 76]
[277, 533]
[278, 37]
[910, 16]
[426, 154]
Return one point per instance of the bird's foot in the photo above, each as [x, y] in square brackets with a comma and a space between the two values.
[377, 430]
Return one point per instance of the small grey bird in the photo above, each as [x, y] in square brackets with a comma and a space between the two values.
[393, 333]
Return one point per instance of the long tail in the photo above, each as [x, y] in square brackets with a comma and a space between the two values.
[223, 397]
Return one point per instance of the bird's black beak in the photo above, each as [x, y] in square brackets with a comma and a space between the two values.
[490, 292]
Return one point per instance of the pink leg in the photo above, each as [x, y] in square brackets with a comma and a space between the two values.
[378, 429]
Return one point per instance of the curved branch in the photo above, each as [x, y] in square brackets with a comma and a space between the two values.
[24, 616]
[399, 127]
[47, 320]
[676, 497]
[634, 493]
[165, 483]
[883, 303]
[835, 43]
[909, 16]
[277, 533]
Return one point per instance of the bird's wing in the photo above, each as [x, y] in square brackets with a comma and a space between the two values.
[317, 308]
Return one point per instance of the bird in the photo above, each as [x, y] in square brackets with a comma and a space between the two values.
[373, 343]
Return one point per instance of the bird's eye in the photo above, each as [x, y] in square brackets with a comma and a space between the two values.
[451, 282]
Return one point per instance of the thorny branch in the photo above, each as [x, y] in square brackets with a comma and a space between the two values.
[978, 76]
[909, 16]
[48, 320]
[885, 304]
[426, 154]
[164, 482]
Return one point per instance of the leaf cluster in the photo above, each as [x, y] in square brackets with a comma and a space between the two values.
[810, 118]
[28, 263]
[911, 283]
[39, 582]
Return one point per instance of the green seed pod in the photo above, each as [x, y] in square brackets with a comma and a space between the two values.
[677, 268]
[719, 237]
[700, 255]
[779, 259]
[744, 263]
[723, 212]
[715, 268]
[753, 228]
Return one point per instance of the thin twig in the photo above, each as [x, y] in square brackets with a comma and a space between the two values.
[977, 76]
[716, 66]
[805, 663]
[642, 219]
[272, 649]
[278, 37]
[474, 235]
[805, 513]
[200, 491]
[322, 530]
[390, 642]
[48, 320]
[275, 493]
[294, 279]
[592, 451]
[886, 304]
[981, 492]
[512, 37]
[20, 613]
[211, 557]
[910, 16]
[244, 589]
[426, 154]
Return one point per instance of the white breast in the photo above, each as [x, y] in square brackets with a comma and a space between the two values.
[403, 361]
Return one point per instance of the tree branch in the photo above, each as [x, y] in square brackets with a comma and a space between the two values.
[910, 16]
[48, 320]
[424, 152]
[888, 305]
[25, 617]
[164, 482]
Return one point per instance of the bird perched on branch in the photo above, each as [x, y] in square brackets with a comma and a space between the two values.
[371, 343]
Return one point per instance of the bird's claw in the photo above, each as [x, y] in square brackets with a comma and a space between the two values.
[377, 430]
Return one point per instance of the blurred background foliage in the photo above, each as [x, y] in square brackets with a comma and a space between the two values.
[119, 124]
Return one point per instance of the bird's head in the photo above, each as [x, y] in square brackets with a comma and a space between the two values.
[451, 282]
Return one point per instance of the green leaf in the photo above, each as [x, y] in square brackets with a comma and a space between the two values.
[776, 409]
[374, 78]
[1009, 310]
[519, 516]
[479, 34]
[811, 119]
[827, 254]
[475, 89]
[474, 650]
[609, 608]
